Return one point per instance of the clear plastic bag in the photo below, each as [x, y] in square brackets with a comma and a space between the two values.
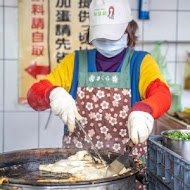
[176, 92]
[160, 59]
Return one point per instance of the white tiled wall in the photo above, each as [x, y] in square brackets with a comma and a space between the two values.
[11, 2]
[23, 128]
[181, 53]
[11, 32]
[184, 5]
[1, 85]
[183, 26]
[158, 28]
[1, 132]
[163, 5]
[1, 32]
[53, 131]
[11, 87]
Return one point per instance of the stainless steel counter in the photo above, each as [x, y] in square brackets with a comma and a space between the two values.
[167, 122]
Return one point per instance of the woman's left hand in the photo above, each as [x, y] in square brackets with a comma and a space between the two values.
[140, 125]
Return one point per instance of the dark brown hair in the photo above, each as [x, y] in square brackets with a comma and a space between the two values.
[130, 30]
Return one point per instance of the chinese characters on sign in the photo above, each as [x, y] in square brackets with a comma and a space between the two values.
[37, 38]
[71, 26]
[37, 28]
[48, 31]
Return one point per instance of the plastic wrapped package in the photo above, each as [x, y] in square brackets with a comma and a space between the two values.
[187, 72]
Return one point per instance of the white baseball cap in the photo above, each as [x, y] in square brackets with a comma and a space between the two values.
[109, 19]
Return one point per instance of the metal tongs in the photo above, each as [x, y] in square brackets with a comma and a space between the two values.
[96, 152]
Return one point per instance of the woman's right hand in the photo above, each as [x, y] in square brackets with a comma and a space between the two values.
[140, 125]
[63, 105]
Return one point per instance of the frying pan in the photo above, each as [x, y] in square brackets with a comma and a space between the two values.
[21, 168]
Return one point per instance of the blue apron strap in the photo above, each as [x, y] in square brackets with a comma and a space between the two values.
[92, 60]
[73, 90]
[91, 68]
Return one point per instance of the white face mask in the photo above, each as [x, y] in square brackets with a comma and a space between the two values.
[110, 48]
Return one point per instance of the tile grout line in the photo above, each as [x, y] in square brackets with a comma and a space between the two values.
[9, 6]
[3, 114]
[132, 9]
[143, 34]
[176, 47]
[38, 130]
[8, 59]
[169, 61]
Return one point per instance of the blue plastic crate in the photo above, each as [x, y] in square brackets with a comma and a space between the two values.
[170, 169]
[155, 183]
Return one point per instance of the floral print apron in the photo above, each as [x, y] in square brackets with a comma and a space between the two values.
[104, 101]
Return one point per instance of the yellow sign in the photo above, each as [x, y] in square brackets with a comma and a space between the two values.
[48, 31]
